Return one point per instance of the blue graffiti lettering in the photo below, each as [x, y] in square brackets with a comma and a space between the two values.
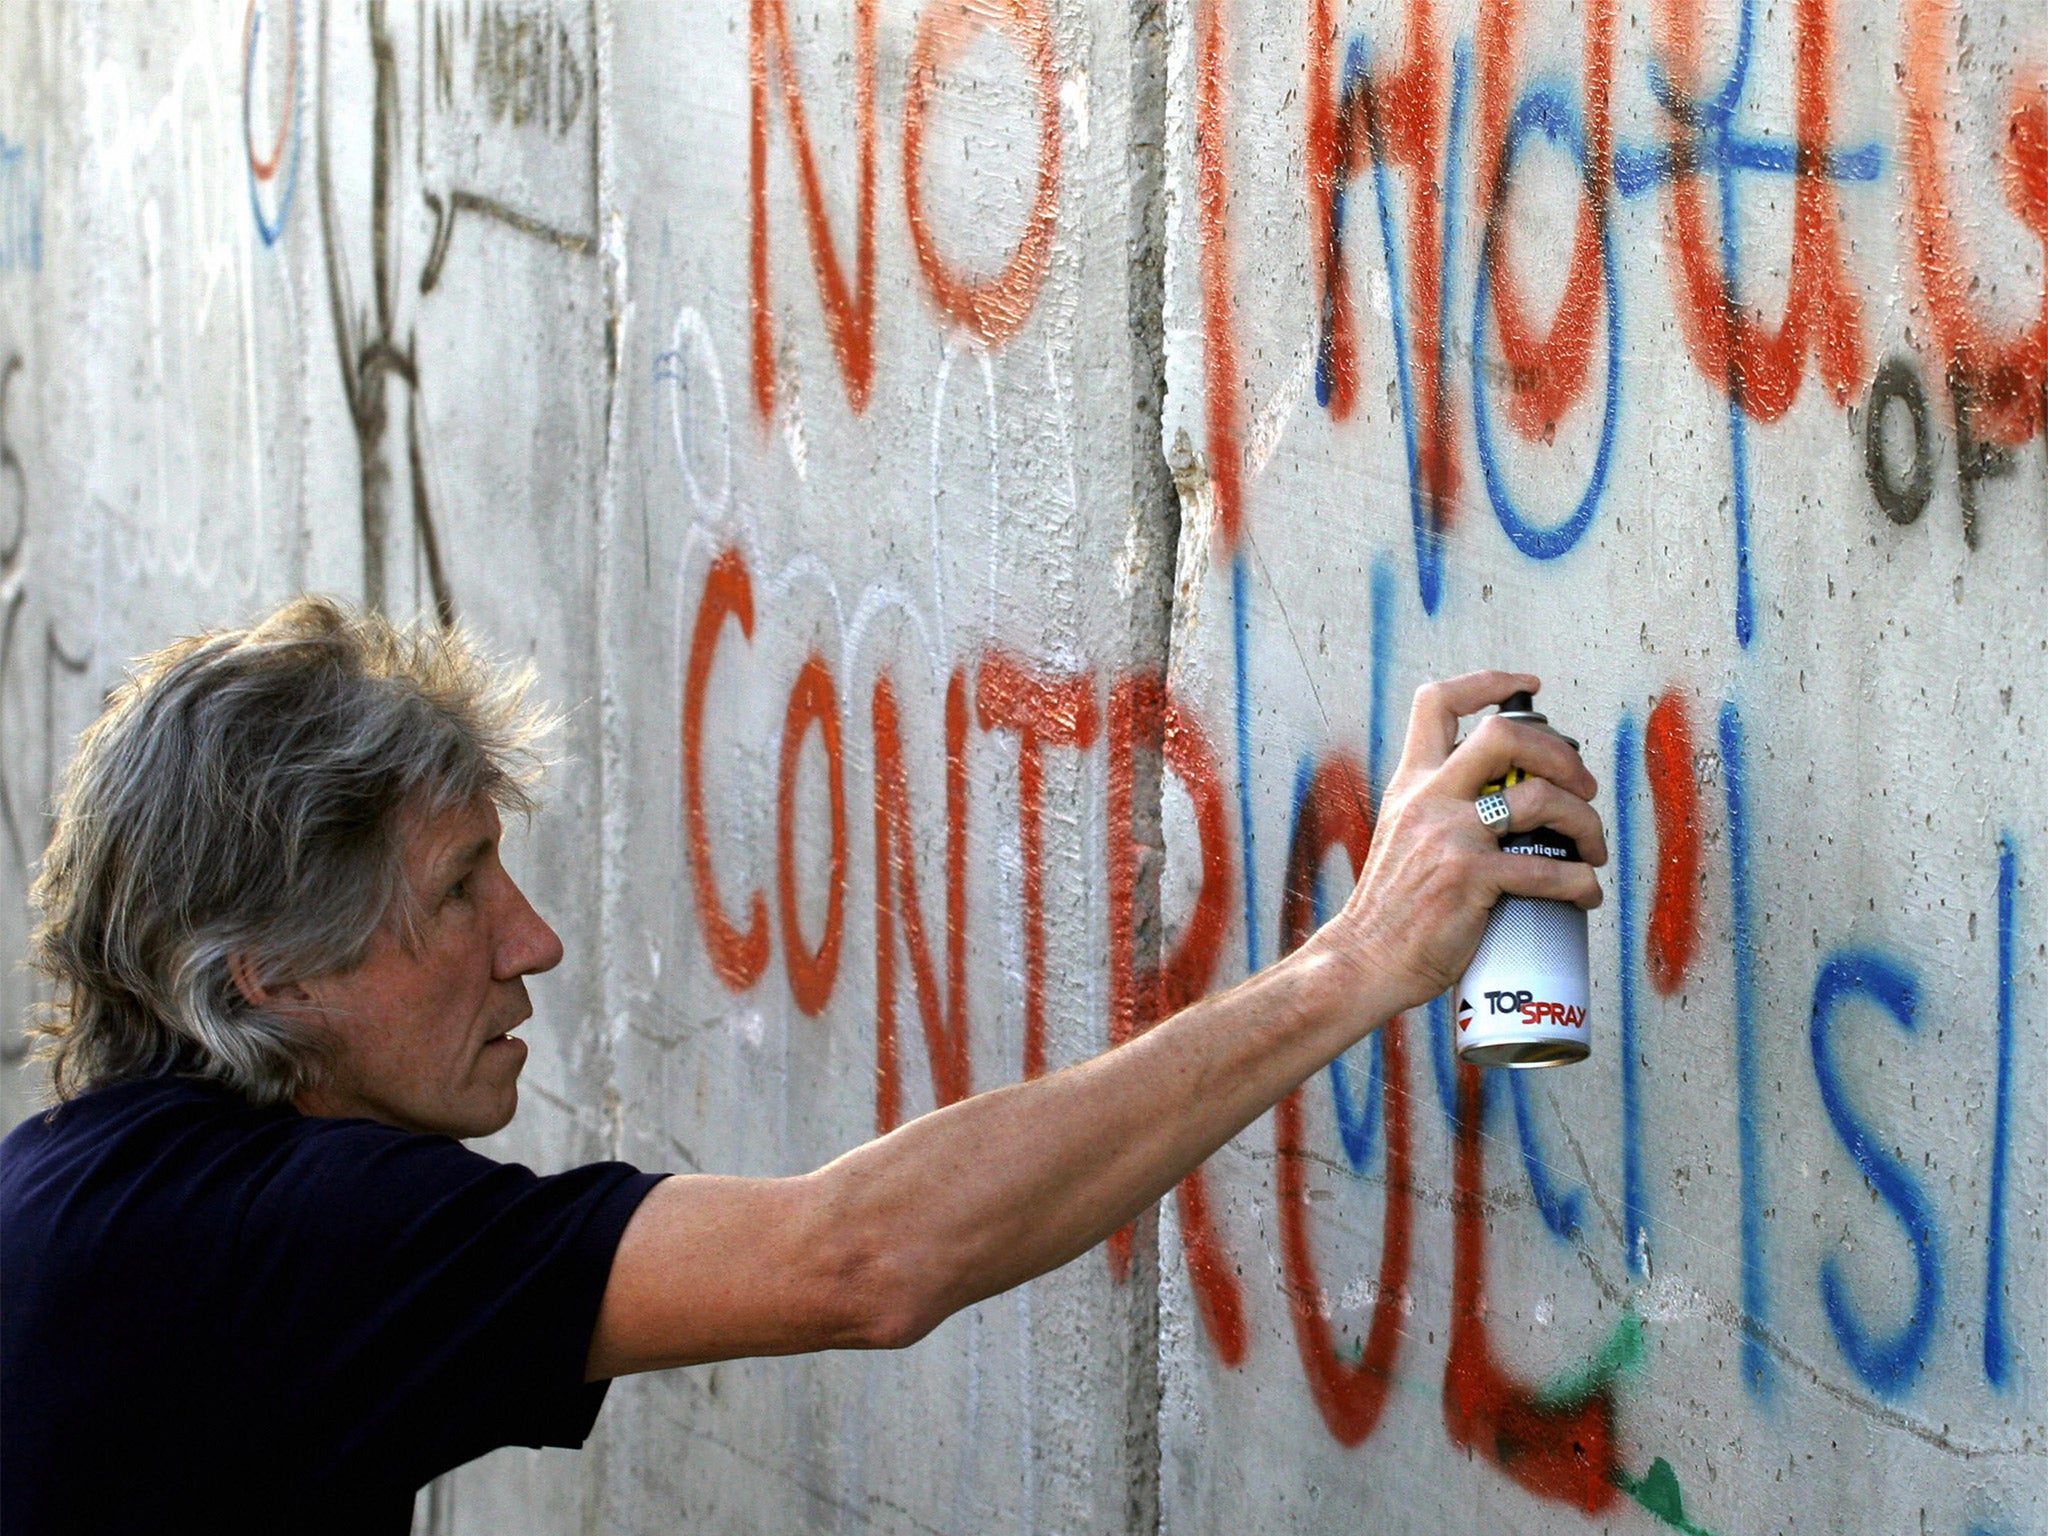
[21, 207]
[1723, 150]
[1886, 1363]
[1546, 109]
[1997, 1346]
[1429, 532]
[1560, 1211]
[1635, 1198]
[1383, 599]
[1758, 1370]
[269, 227]
[1358, 1120]
[1241, 624]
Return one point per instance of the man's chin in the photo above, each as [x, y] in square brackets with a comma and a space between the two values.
[497, 1078]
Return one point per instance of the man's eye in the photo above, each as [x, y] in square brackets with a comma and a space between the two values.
[459, 890]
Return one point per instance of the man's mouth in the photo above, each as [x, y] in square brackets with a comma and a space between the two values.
[504, 1036]
[496, 1035]
[506, 1044]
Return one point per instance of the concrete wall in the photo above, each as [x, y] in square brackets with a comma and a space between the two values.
[983, 479]
[1528, 337]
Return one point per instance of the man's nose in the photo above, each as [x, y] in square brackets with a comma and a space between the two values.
[527, 944]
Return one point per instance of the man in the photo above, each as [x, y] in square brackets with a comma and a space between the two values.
[252, 1279]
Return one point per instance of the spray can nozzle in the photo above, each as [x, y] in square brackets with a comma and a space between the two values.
[1520, 706]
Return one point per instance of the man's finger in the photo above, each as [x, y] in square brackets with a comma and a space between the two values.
[1537, 803]
[1496, 746]
[1433, 720]
[1525, 874]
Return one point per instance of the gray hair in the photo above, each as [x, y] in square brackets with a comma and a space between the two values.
[244, 798]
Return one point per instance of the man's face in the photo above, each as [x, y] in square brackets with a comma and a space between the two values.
[421, 1032]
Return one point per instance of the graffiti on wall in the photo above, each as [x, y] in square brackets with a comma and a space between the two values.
[1450, 123]
[1410, 163]
[506, 123]
[1371, 128]
[1557, 1443]
[991, 307]
[22, 177]
[1718, 165]
[502, 102]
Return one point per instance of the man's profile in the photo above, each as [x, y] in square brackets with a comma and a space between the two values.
[251, 1278]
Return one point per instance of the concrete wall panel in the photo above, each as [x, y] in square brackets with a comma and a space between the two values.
[771, 372]
[1458, 304]
[881, 507]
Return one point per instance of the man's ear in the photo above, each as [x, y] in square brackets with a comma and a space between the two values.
[249, 982]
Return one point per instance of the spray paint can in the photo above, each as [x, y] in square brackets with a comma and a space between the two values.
[1524, 999]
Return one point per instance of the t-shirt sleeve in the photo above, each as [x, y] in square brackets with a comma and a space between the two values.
[416, 1304]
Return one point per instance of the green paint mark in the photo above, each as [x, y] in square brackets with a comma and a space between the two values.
[1621, 1355]
[1658, 1492]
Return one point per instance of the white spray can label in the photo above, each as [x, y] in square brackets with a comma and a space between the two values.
[1524, 1000]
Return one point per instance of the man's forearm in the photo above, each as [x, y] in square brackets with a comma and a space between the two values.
[878, 1246]
[991, 1191]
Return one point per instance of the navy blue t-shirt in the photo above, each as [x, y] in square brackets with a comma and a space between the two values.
[219, 1317]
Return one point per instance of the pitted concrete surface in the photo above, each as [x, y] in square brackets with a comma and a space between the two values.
[982, 481]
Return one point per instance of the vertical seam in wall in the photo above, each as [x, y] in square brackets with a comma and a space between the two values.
[610, 234]
[1155, 515]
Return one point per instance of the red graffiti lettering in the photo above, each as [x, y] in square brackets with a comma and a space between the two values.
[1136, 711]
[1823, 314]
[994, 307]
[1556, 1450]
[1350, 1397]
[1996, 381]
[1143, 715]
[1546, 374]
[1044, 709]
[739, 958]
[849, 312]
[1323, 161]
[1221, 383]
[945, 1024]
[1674, 791]
[1402, 117]
[814, 700]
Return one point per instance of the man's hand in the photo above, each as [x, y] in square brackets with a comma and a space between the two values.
[1414, 918]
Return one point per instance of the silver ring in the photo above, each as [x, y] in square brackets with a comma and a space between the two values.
[1493, 812]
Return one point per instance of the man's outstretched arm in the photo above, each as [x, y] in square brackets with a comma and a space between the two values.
[879, 1246]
